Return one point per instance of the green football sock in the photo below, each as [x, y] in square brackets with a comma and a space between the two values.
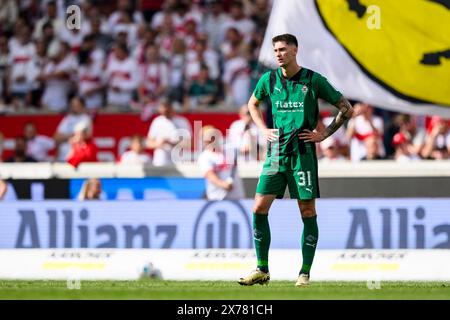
[309, 242]
[261, 238]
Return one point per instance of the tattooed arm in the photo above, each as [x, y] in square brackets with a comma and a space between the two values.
[345, 113]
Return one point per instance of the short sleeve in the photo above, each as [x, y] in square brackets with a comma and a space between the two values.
[153, 130]
[204, 164]
[262, 87]
[63, 126]
[326, 91]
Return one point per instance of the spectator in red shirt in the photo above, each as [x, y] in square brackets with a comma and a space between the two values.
[83, 148]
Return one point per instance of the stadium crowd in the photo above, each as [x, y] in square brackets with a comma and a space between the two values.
[197, 55]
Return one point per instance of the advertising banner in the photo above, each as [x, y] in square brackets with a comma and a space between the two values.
[146, 188]
[75, 265]
[37, 189]
[111, 139]
[414, 223]
[112, 188]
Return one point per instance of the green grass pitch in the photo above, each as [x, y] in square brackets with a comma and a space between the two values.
[221, 290]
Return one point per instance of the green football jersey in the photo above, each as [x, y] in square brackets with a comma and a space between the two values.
[295, 103]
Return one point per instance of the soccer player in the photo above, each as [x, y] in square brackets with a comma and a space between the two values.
[291, 158]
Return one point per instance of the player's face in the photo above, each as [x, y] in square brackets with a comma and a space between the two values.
[284, 53]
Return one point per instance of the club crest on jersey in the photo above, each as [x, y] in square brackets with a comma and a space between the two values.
[304, 89]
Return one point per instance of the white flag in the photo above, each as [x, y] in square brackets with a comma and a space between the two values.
[393, 54]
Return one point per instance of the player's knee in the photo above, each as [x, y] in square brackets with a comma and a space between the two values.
[308, 212]
[260, 208]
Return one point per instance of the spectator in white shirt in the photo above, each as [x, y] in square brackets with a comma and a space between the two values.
[342, 142]
[233, 44]
[48, 35]
[372, 146]
[9, 12]
[73, 37]
[102, 39]
[136, 154]
[201, 54]
[38, 146]
[147, 38]
[361, 127]
[330, 150]
[218, 165]
[66, 127]
[50, 16]
[90, 79]
[236, 78]
[166, 36]
[57, 78]
[23, 71]
[189, 34]
[239, 20]
[125, 7]
[4, 62]
[167, 9]
[122, 78]
[402, 148]
[214, 23]
[414, 134]
[127, 27]
[259, 12]
[177, 71]
[245, 137]
[96, 53]
[166, 132]
[154, 76]
[437, 142]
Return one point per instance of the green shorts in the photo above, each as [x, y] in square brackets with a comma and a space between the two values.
[298, 172]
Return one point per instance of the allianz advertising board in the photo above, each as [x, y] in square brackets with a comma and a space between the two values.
[183, 224]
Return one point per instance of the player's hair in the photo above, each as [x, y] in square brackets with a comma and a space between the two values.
[287, 37]
[165, 101]
[77, 97]
[47, 24]
[204, 66]
[89, 38]
[84, 192]
[401, 119]
[136, 137]
[237, 4]
[29, 123]
[123, 47]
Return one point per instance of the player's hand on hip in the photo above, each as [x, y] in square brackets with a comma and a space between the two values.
[271, 134]
[311, 136]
